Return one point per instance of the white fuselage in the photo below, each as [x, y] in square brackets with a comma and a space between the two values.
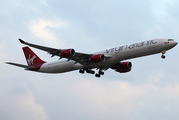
[114, 55]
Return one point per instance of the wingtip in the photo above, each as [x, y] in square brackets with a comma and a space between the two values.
[8, 63]
[21, 40]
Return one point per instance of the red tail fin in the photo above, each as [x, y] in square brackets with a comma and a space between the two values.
[31, 57]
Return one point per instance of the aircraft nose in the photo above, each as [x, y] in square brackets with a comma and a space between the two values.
[175, 42]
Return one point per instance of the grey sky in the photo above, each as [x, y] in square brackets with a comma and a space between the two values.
[149, 91]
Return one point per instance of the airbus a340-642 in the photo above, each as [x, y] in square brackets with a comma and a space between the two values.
[110, 58]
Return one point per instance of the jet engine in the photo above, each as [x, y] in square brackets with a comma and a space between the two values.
[124, 67]
[97, 58]
[67, 53]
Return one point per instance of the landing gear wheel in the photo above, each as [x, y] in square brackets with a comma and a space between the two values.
[101, 73]
[81, 71]
[163, 56]
[97, 75]
[92, 72]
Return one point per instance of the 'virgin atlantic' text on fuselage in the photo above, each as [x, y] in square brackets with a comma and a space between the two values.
[132, 46]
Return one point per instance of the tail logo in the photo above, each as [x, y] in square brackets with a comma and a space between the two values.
[31, 60]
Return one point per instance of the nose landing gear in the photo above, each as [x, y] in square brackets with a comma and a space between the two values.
[163, 56]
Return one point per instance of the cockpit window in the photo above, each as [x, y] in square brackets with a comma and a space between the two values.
[170, 40]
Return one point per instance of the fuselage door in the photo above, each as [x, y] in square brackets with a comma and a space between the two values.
[161, 42]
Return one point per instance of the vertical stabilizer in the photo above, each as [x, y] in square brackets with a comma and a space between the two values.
[31, 57]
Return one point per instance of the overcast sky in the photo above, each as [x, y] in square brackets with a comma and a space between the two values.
[149, 92]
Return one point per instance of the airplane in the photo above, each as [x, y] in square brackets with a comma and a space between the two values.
[114, 58]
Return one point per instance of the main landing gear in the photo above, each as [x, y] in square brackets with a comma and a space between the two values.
[163, 56]
[87, 71]
[82, 71]
[100, 72]
[90, 71]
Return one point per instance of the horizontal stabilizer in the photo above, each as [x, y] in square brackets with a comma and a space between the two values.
[20, 65]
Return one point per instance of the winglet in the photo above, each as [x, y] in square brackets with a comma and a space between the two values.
[21, 41]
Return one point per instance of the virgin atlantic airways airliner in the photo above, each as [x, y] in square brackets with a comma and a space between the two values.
[110, 58]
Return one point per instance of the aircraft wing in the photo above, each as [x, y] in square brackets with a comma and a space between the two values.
[52, 51]
[20, 65]
[81, 58]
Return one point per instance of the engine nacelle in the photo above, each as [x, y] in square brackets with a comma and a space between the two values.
[97, 58]
[67, 53]
[124, 67]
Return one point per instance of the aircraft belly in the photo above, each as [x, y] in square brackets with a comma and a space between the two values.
[60, 67]
[103, 64]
